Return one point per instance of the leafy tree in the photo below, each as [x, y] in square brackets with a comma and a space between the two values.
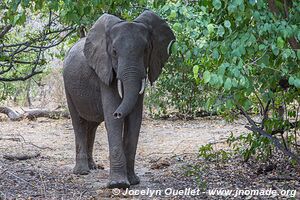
[23, 51]
[246, 54]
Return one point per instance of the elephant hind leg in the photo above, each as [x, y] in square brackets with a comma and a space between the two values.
[80, 126]
[91, 132]
[81, 139]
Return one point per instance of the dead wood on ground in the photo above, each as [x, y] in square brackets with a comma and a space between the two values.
[21, 156]
[33, 113]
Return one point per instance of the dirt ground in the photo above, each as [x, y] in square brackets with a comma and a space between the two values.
[167, 148]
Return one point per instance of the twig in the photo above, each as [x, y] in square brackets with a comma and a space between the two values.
[5, 30]
[33, 144]
[3, 171]
[81, 194]
[284, 178]
[296, 127]
[11, 139]
[23, 180]
[44, 186]
[274, 140]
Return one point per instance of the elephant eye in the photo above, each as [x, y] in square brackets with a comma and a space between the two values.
[114, 52]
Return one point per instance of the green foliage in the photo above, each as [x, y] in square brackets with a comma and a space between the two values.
[77, 12]
[246, 51]
[197, 172]
[178, 86]
[235, 53]
[210, 154]
[237, 49]
[40, 23]
[251, 145]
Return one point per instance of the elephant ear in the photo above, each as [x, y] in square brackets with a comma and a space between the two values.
[162, 38]
[95, 48]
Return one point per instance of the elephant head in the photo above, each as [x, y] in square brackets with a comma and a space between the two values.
[128, 52]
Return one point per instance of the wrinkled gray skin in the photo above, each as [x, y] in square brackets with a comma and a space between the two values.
[113, 50]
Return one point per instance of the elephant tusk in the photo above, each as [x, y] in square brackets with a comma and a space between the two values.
[169, 46]
[120, 88]
[143, 86]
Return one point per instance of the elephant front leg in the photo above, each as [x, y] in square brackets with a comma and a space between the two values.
[132, 128]
[118, 172]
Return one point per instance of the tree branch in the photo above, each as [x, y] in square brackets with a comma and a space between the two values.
[5, 30]
[21, 78]
[263, 133]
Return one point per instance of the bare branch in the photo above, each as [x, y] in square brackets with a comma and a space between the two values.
[21, 78]
[263, 133]
[5, 30]
[36, 46]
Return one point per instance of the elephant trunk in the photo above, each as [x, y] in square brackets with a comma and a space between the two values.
[132, 88]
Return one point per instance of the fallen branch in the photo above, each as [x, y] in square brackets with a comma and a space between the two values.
[21, 156]
[12, 139]
[33, 114]
[13, 115]
[284, 178]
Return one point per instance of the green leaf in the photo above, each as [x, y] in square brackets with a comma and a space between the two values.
[252, 2]
[173, 14]
[280, 43]
[227, 84]
[25, 3]
[275, 50]
[214, 79]
[196, 72]
[227, 24]
[211, 28]
[236, 72]
[177, 27]
[291, 80]
[298, 54]
[222, 68]
[231, 8]
[206, 76]
[286, 53]
[221, 31]
[215, 54]
[262, 47]
[217, 4]
[247, 104]
[297, 83]
[238, 2]
[19, 19]
[229, 104]
[242, 81]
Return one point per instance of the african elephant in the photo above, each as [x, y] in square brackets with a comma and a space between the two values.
[104, 76]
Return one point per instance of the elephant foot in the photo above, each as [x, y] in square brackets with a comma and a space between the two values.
[81, 169]
[122, 184]
[118, 180]
[92, 165]
[133, 179]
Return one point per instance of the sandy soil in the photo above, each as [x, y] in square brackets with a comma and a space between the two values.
[165, 148]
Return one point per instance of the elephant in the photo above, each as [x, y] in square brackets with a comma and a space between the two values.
[104, 76]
